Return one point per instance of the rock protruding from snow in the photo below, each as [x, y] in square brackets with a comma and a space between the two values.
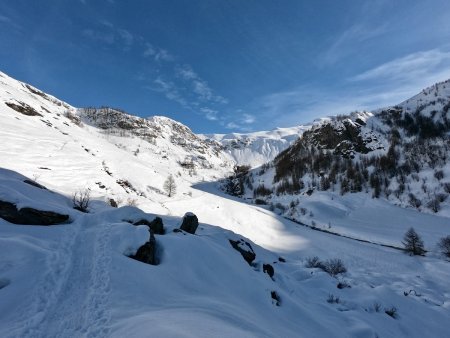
[147, 252]
[29, 216]
[190, 223]
[267, 268]
[245, 249]
[156, 226]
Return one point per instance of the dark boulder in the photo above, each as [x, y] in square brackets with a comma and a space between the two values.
[147, 252]
[245, 249]
[275, 298]
[113, 203]
[267, 268]
[35, 184]
[190, 223]
[156, 226]
[30, 216]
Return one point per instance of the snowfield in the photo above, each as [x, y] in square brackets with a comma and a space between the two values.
[75, 280]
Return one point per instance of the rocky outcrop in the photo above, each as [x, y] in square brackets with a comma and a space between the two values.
[342, 137]
[245, 249]
[156, 226]
[190, 223]
[275, 298]
[30, 216]
[23, 108]
[267, 268]
[34, 184]
[147, 252]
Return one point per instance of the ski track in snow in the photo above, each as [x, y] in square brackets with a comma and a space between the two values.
[73, 296]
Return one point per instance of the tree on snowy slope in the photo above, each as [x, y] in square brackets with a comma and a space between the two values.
[413, 243]
[169, 186]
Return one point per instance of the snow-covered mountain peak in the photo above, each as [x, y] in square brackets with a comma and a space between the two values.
[257, 148]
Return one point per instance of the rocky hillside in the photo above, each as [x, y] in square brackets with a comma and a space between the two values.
[400, 153]
[41, 131]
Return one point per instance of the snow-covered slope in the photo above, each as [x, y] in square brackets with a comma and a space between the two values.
[74, 279]
[255, 149]
[113, 154]
[399, 153]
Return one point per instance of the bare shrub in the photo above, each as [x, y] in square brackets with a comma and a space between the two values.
[334, 267]
[392, 311]
[444, 246]
[313, 262]
[81, 200]
[332, 299]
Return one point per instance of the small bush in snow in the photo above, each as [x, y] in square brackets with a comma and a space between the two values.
[434, 204]
[332, 299]
[413, 243]
[81, 200]
[334, 267]
[444, 246]
[313, 262]
[446, 186]
[392, 311]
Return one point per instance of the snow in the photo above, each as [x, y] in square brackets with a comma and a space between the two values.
[75, 279]
[257, 148]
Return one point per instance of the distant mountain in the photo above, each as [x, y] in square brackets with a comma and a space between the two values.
[400, 153]
[257, 148]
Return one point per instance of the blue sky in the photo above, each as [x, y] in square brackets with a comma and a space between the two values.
[228, 66]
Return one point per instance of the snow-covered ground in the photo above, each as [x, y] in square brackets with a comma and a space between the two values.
[75, 279]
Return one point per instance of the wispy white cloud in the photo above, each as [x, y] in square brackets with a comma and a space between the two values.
[199, 86]
[170, 90]
[384, 85]
[242, 123]
[248, 119]
[210, 114]
[178, 83]
[419, 66]
[105, 32]
[127, 38]
[344, 43]
[156, 53]
[5, 20]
